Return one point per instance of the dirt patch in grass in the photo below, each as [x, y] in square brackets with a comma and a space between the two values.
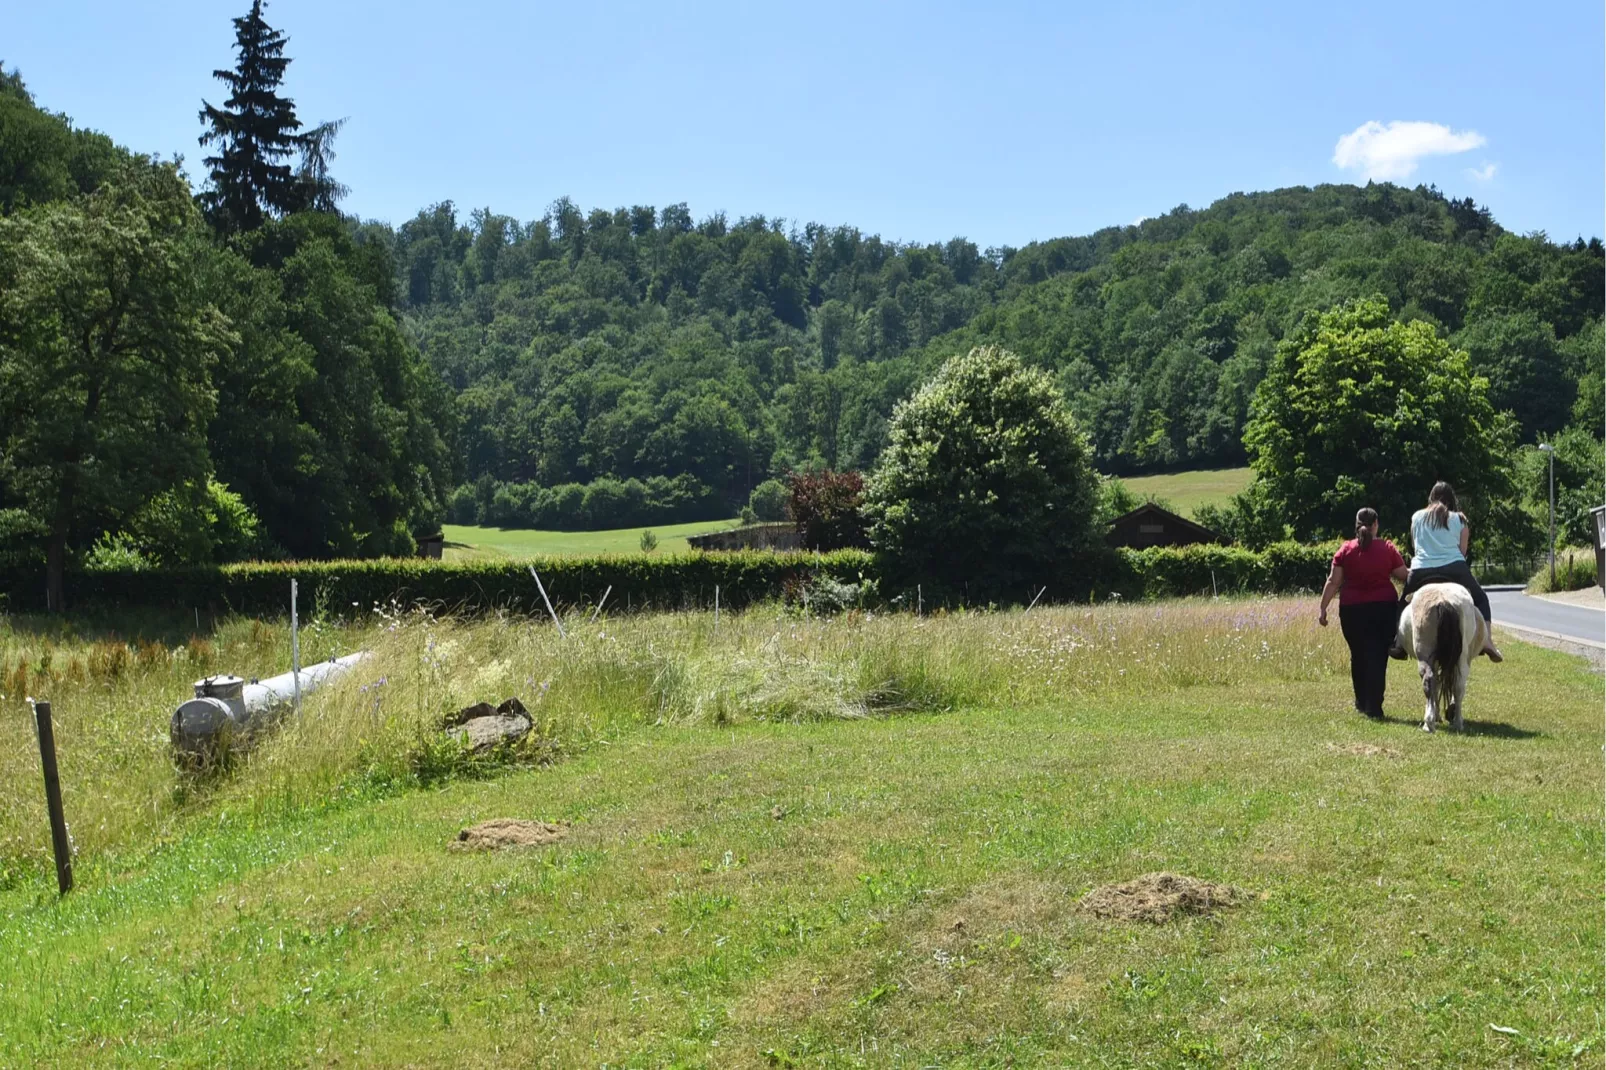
[1008, 903]
[1363, 750]
[500, 832]
[1159, 897]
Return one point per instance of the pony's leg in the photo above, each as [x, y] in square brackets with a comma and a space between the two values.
[1457, 701]
[1430, 691]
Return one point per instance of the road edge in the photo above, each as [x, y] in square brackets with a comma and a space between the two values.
[1588, 649]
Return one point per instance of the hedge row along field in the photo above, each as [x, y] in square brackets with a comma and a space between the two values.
[679, 581]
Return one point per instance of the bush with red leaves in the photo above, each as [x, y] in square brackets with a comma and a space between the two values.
[826, 505]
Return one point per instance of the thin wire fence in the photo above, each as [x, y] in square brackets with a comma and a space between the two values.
[1507, 569]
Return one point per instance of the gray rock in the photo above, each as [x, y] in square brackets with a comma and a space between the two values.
[483, 726]
[483, 733]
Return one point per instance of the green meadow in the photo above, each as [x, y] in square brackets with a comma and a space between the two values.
[469, 543]
[1186, 491]
[798, 842]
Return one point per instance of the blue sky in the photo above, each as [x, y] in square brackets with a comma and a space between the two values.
[1003, 122]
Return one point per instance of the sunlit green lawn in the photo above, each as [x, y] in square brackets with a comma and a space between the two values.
[892, 891]
[1186, 491]
[467, 543]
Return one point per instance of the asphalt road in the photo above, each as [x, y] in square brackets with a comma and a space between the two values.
[1523, 611]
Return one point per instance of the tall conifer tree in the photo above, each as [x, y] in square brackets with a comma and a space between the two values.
[255, 131]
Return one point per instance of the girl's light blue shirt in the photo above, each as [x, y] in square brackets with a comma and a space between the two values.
[1435, 546]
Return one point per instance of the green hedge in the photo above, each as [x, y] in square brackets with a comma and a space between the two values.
[668, 581]
[1171, 572]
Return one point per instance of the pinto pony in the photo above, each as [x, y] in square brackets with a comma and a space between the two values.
[1444, 631]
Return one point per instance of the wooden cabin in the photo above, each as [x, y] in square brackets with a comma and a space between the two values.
[1150, 525]
[431, 546]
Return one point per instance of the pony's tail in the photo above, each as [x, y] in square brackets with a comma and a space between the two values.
[1444, 622]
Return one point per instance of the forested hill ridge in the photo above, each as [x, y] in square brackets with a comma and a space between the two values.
[636, 342]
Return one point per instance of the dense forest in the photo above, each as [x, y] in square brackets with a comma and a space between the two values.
[597, 368]
[640, 343]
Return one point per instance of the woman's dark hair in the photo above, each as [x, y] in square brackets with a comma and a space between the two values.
[1441, 503]
[1364, 519]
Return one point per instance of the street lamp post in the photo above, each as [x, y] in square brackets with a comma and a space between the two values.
[1550, 450]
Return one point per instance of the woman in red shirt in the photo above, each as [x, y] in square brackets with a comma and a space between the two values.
[1363, 575]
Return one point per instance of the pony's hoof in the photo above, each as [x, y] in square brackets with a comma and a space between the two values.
[1494, 655]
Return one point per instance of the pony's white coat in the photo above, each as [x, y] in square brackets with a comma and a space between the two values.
[1443, 672]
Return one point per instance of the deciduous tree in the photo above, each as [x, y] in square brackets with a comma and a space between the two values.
[1359, 409]
[106, 345]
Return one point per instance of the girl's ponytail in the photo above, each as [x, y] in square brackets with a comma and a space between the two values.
[1364, 519]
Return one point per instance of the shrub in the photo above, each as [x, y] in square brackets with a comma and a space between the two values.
[113, 552]
[828, 509]
[769, 501]
[560, 508]
[611, 503]
[1115, 499]
[1249, 518]
[985, 481]
[601, 504]
[196, 523]
[461, 507]
[649, 541]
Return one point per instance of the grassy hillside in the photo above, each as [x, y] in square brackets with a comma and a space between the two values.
[757, 874]
[1186, 491]
[466, 543]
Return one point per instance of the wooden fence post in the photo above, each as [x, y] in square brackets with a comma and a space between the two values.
[59, 842]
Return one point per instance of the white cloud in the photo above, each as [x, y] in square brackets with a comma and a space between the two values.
[1484, 173]
[1388, 151]
[1138, 220]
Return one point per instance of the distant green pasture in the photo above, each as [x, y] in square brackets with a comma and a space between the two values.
[467, 543]
[1186, 491]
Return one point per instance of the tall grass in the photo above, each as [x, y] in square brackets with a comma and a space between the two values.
[367, 731]
[1575, 570]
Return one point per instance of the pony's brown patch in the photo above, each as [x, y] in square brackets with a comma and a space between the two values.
[1362, 750]
[500, 832]
[1159, 897]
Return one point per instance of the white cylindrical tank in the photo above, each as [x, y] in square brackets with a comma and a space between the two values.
[228, 705]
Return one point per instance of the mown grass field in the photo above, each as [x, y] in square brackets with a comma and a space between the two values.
[1186, 491]
[814, 843]
[466, 543]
